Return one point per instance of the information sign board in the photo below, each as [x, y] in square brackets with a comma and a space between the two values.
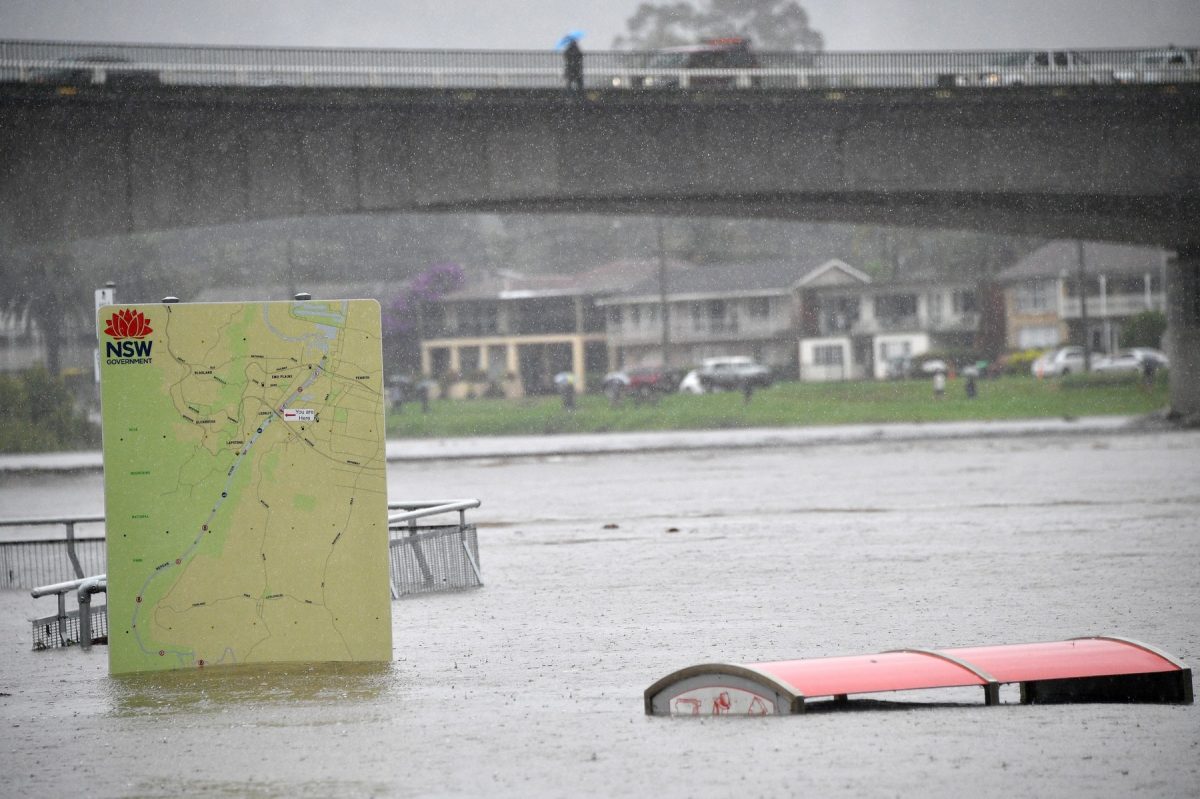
[245, 486]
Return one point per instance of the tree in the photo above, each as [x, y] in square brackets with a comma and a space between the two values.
[43, 287]
[402, 316]
[1144, 330]
[768, 24]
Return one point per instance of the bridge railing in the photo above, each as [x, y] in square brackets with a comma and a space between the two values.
[76, 64]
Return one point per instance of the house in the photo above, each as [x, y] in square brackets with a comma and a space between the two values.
[825, 322]
[1042, 298]
[855, 328]
[746, 309]
[515, 332]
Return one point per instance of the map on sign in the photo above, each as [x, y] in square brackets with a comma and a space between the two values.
[244, 483]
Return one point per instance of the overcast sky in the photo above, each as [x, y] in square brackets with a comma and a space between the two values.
[537, 24]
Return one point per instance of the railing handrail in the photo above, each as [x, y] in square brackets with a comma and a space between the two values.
[235, 65]
[64, 587]
[436, 504]
[420, 513]
[45, 520]
[414, 509]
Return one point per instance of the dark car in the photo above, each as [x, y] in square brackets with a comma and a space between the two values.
[641, 382]
[84, 70]
[670, 67]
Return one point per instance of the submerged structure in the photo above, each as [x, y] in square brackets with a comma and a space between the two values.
[1093, 669]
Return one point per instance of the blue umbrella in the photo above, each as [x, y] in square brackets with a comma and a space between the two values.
[573, 36]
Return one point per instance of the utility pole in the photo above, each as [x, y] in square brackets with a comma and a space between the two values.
[1081, 281]
[664, 313]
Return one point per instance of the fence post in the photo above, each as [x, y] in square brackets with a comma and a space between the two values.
[71, 550]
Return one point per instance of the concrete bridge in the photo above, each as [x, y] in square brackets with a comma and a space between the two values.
[1095, 160]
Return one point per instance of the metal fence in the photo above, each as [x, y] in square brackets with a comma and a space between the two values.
[26, 564]
[435, 559]
[50, 549]
[423, 558]
[64, 629]
[427, 558]
[83, 63]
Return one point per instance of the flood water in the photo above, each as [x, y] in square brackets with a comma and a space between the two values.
[604, 573]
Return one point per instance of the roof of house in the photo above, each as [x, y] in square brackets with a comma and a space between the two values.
[605, 279]
[1061, 257]
[756, 277]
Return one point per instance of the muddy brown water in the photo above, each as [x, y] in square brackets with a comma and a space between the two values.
[604, 573]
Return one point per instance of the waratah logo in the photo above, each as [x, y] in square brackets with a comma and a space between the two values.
[128, 323]
[125, 325]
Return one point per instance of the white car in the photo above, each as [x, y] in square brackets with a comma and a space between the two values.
[1059, 362]
[1158, 66]
[1043, 67]
[690, 384]
[733, 372]
[1131, 360]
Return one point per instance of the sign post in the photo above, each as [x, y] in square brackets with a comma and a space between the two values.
[104, 296]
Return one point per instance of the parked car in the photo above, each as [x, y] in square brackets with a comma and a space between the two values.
[83, 70]
[691, 383]
[1131, 360]
[669, 68]
[1158, 66]
[1059, 362]
[733, 372]
[1034, 67]
[641, 381]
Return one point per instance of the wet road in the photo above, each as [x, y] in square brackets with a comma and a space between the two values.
[532, 685]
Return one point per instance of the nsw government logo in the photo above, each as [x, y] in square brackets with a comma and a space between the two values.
[128, 329]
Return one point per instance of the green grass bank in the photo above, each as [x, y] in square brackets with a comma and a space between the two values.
[785, 405]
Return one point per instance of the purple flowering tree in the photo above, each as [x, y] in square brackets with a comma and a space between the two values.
[401, 316]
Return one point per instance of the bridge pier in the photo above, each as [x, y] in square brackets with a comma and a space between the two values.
[1183, 333]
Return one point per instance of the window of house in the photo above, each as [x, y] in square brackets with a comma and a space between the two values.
[476, 318]
[894, 349]
[827, 355]
[716, 312]
[933, 302]
[614, 316]
[895, 306]
[468, 360]
[439, 361]
[635, 316]
[1127, 285]
[697, 316]
[759, 307]
[1034, 295]
[1035, 338]
[964, 302]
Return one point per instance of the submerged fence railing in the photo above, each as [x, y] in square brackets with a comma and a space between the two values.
[42, 550]
[423, 558]
[92, 63]
[427, 558]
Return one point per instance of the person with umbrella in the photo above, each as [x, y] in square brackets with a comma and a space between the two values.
[572, 60]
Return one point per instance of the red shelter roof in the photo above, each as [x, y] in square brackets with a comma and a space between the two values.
[1078, 670]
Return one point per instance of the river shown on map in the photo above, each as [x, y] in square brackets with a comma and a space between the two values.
[604, 573]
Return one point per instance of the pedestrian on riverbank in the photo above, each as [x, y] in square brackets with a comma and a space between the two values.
[565, 382]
